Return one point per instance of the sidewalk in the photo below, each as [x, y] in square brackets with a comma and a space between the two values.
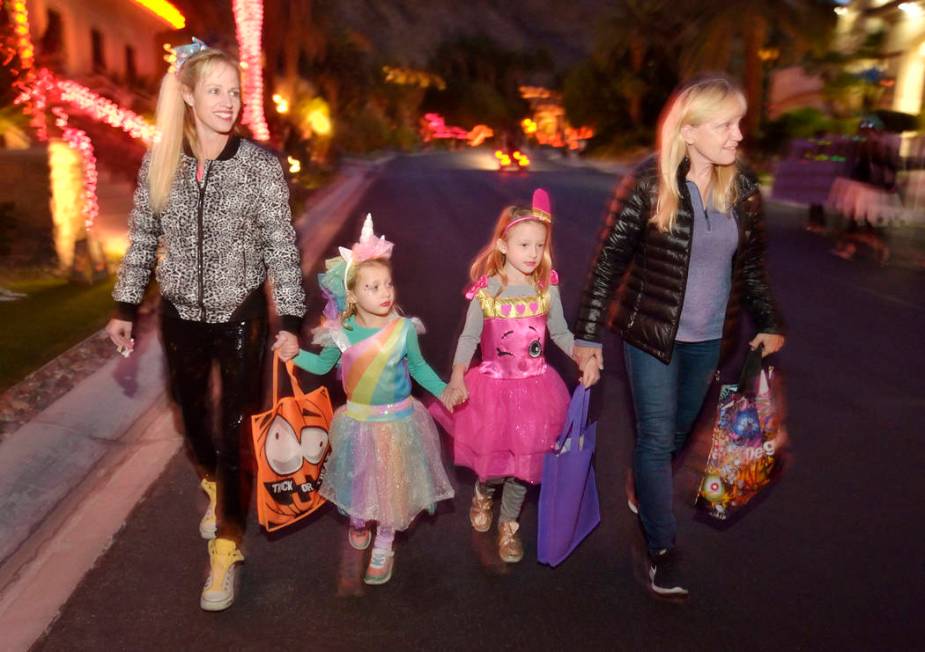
[71, 475]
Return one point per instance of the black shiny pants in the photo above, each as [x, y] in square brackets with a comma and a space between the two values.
[238, 348]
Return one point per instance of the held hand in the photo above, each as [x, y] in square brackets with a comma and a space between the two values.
[457, 384]
[590, 373]
[458, 391]
[120, 332]
[447, 398]
[287, 344]
[771, 341]
[581, 354]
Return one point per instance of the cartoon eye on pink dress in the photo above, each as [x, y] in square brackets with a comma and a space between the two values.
[531, 342]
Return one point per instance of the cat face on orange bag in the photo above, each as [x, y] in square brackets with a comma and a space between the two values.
[291, 447]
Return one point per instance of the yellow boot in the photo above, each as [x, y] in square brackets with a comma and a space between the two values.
[218, 593]
[207, 526]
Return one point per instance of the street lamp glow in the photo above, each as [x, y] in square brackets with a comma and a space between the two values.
[911, 9]
[165, 11]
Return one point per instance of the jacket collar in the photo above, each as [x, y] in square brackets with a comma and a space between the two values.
[230, 149]
[745, 183]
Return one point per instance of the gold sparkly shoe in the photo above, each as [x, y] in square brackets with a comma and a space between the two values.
[480, 512]
[510, 547]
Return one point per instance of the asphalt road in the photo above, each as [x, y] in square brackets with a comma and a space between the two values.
[830, 559]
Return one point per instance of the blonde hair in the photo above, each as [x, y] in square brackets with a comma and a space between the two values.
[351, 283]
[175, 122]
[490, 261]
[696, 103]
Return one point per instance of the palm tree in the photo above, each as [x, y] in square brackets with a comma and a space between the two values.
[790, 28]
[635, 33]
[293, 34]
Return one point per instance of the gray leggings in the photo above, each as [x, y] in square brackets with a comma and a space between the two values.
[512, 496]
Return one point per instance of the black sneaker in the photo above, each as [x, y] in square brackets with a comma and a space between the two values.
[664, 576]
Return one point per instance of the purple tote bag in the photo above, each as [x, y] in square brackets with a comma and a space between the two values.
[569, 507]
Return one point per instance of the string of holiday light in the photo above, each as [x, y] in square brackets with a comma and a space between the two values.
[248, 19]
[78, 140]
[46, 89]
[40, 89]
[105, 110]
[20, 16]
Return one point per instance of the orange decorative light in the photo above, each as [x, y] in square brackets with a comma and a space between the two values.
[412, 77]
[165, 11]
[479, 134]
[528, 125]
[248, 20]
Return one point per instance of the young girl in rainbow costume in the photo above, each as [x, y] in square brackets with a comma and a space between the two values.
[512, 405]
[385, 464]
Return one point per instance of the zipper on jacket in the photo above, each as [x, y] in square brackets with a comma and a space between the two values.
[703, 207]
[199, 221]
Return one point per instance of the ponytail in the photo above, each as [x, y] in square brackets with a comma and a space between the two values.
[175, 123]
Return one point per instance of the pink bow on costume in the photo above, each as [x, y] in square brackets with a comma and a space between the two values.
[475, 287]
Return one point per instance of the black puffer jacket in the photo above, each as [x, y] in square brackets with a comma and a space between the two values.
[653, 266]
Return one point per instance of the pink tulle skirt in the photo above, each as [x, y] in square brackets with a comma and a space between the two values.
[507, 425]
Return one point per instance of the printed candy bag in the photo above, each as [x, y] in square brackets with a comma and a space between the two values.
[743, 453]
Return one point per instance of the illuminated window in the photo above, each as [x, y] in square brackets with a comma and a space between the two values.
[131, 72]
[53, 38]
[99, 56]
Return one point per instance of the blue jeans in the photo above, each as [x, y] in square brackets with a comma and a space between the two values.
[667, 399]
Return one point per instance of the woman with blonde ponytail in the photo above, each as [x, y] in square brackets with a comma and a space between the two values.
[684, 241]
[218, 206]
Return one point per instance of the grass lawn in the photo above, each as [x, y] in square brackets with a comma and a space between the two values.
[54, 317]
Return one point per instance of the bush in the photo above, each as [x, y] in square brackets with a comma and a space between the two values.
[799, 123]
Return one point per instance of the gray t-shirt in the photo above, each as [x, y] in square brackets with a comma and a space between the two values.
[556, 325]
[709, 276]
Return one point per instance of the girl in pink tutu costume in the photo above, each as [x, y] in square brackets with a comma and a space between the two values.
[511, 407]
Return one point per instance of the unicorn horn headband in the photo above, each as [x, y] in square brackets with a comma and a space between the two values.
[333, 281]
[368, 247]
[538, 212]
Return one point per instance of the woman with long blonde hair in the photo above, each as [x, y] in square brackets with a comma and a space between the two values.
[219, 207]
[684, 240]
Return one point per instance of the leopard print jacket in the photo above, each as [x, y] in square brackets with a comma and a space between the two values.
[219, 239]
